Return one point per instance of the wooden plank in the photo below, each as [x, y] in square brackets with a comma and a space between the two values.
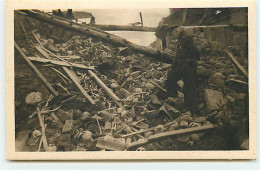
[241, 68]
[42, 52]
[169, 134]
[180, 132]
[36, 70]
[104, 87]
[76, 82]
[61, 63]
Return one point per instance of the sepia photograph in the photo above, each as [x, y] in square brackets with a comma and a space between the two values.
[131, 80]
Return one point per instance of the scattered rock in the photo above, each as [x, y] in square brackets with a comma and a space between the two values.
[52, 148]
[85, 116]
[149, 86]
[183, 139]
[63, 116]
[68, 126]
[87, 137]
[174, 126]
[184, 124]
[76, 114]
[216, 79]
[200, 119]
[53, 48]
[147, 134]
[195, 137]
[138, 90]
[124, 92]
[50, 41]
[157, 74]
[114, 85]
[33, 97]
[185, 117]
[36, 134]
[155, 100]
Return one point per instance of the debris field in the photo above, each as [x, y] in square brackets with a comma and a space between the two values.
[81, 93]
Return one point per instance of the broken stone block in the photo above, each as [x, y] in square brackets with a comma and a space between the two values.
[185, 117]
[216, 79]
[155, 100]
[64, 143]
[63, 116]
[200, 119]
[214, 99]
[68, 126]
[110, 143]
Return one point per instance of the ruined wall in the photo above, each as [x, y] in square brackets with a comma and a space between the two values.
[207, 24]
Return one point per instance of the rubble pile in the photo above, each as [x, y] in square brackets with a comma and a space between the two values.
[111, 98]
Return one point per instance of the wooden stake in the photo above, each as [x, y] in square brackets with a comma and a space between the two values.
[43, 139]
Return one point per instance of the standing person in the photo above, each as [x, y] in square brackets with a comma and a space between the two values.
[185, 66]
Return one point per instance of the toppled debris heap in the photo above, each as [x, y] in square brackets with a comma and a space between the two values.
[95, 96]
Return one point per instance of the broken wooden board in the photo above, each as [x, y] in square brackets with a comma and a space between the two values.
[61, 63]
[104, 87]
[53, 91]
[169, 134]
[76, 82]
[240, 67]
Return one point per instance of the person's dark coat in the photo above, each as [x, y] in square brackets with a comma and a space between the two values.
[185, 67]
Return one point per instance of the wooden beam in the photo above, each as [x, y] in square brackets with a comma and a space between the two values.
[61, 63]
[241, 68]
[123, 28]
[36, 70]
[76, 82]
